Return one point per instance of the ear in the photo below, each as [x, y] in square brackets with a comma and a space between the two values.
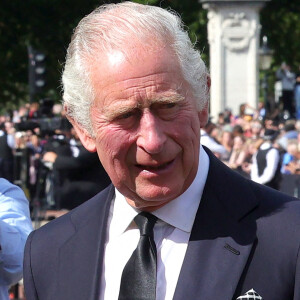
[87, 141]
[208, 81]
[203, 114]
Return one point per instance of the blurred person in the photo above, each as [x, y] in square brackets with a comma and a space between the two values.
[221, 120]
[35, 150]
[247, 129]
[15, 225]
[20, 140]
[287, 78]
[290, 157]
[261, 111]
[239, 152]
[266, 162]
[242, 110]
[211, 143]
[203, 231]
[7, 146]
[271, 124]
[297, 94]
[252, 148]
[237, 130]
[33, 111]
[228, 116]
[297, 126]
[81, 175]
[244, 116]
[216, 134]
[288, 133]
[256, 129]
[57, 110]
[227, 141]
[2, 119]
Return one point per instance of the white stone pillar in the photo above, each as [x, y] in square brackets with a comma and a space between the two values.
[233, 36]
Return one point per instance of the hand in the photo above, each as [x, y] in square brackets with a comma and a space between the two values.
[246, 167]
[50, 157]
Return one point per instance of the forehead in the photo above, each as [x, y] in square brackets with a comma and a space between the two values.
[138, 72]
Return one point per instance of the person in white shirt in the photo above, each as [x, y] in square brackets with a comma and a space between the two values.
[15, 225]
[176, 223]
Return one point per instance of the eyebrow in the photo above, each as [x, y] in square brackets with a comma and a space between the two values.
[120, 109]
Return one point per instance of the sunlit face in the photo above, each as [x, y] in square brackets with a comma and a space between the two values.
[227, 138]
[238, 142]
[147, 127]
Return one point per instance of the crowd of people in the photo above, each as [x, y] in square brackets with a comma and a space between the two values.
[234, 139]
[258, 147]
[41, 152]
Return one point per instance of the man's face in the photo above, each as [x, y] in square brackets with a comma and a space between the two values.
[146, 124]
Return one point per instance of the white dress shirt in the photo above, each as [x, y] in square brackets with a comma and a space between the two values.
[15, 225]
[171, 235]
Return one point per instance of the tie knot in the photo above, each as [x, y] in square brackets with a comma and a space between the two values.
[145, 222]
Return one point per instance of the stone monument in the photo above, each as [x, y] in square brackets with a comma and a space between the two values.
[233, 36]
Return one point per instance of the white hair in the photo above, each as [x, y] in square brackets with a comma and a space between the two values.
[110, 27]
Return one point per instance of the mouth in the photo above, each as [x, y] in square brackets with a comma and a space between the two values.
[154, 168]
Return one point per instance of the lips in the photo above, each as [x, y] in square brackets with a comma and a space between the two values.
[153, 168]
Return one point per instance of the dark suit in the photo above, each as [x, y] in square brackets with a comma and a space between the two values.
[244, 236]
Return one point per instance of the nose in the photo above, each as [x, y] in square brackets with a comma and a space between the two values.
[151, 137]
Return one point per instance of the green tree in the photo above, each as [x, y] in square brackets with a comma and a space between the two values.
[280, 21]
[47, 25]
[193, 16]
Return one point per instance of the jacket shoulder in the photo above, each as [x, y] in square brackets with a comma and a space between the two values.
[59, 230]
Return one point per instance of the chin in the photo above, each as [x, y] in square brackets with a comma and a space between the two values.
[158, 195]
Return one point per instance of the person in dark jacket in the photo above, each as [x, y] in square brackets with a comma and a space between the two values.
[6, 151]
[81, 175]
[267, 163]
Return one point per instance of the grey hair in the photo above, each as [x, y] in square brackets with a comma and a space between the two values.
[109, 27]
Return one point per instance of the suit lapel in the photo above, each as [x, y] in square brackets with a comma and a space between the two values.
[81, 257]
[222, 237]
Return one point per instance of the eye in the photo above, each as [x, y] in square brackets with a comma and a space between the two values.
[126, 115]
[168, 105]
[167, 110]
[127, 118]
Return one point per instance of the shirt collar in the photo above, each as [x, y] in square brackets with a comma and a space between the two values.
[179, 213]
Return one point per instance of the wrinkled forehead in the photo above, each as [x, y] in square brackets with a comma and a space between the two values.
[132, 61]
[129, 48]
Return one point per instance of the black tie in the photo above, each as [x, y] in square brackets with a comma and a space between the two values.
[138, 280]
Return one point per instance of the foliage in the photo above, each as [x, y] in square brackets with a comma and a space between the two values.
[280, 21]
[47, 25]
[193, 16]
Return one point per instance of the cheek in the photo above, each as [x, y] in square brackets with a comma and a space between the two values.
[186, 134]
[187, 129]
[113, 146]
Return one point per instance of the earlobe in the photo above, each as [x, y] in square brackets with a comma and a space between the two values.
[87, 141]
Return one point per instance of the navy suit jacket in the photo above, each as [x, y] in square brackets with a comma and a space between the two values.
[245, 236]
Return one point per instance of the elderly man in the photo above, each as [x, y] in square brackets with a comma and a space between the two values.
[176, 223]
